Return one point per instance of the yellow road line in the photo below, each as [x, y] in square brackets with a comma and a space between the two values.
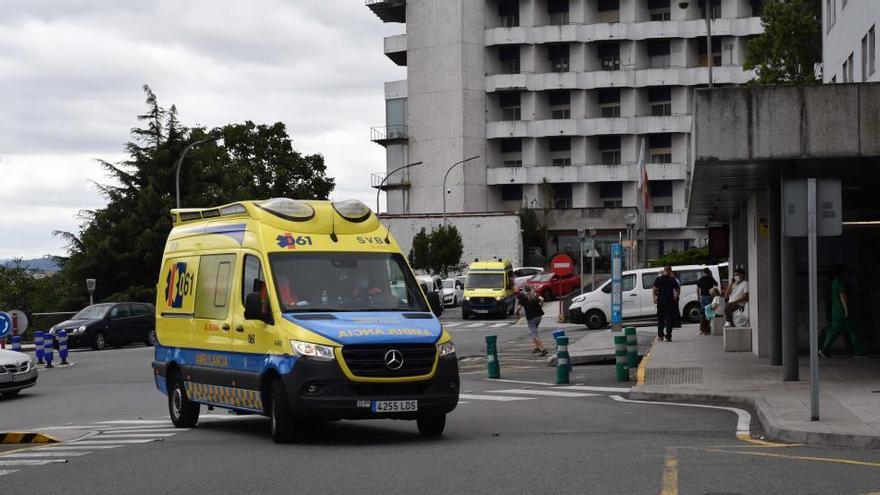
[798, 457]
[670, 473]
[643, 366]
[745, 437]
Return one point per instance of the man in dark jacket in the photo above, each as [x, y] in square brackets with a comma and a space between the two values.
[666, 292]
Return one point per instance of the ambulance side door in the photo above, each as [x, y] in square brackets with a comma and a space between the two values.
[251, 339]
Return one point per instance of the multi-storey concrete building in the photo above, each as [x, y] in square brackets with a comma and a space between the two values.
[556, 97]
[849, 40]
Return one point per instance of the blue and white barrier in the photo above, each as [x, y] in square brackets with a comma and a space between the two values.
[38, 346]
[16, 343]
[62, 346]
[48, 350]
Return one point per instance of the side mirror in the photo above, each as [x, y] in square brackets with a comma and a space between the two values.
[253, 308]
[434, 302]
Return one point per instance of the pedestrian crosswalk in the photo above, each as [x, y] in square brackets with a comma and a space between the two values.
[475, 325]
[536, 391]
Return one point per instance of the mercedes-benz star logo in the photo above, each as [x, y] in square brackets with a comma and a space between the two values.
[394, 360]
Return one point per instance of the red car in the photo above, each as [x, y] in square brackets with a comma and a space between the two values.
[550, 285]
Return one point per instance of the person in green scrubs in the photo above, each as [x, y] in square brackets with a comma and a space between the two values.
[840, 314]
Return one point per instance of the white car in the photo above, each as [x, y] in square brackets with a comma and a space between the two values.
[434, 284]
[17, 372]
[637, 286]
[522, 275]
[453, 292]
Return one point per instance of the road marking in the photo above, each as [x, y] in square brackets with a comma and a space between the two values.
[590, 388]
[114, 442]
[451, 325]
[33, 462]
[500, 398]
[549, 393]
[473, 325]
[4, 472]
[142, 429]
[44, 454]
[744, 419]
[77, 447]
[135, 422]
[797, 457]
[498, 325]
[670, 473]
[133, 435]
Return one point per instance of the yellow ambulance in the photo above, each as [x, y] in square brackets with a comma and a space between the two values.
[488, 289]
[303, 311]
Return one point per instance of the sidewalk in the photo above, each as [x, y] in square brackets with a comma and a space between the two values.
[595, 346]
[694, 367]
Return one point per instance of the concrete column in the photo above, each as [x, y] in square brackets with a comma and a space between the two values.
[788, 307]
[774, 271]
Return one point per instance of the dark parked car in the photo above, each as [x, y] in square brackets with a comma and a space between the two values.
[115, 324]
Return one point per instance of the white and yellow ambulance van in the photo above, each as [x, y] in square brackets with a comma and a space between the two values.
[304, 311]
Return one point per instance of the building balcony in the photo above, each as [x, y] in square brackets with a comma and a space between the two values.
[579, 218]
[389, 134]
[388, 10]
[669, 220]
[629, 78]
[395, 49]
[588, 127]
[625, 172]
[588, 33]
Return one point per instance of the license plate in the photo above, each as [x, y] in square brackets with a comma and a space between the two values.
[393, 406]
[20, 378]
[482, 311]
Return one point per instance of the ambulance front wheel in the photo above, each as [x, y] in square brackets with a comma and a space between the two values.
[184, 413]
[431, 424]
[283, 428]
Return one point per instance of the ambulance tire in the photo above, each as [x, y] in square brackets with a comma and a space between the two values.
[431, 424]
[282, 423]
[184, 413]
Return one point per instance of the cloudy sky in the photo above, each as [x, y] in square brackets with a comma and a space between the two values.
[71, 73]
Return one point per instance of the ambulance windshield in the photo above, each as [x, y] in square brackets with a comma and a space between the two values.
[335, 282]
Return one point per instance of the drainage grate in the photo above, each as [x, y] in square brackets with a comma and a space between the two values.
[674, 376]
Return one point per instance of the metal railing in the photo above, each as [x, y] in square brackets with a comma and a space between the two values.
[388, 132]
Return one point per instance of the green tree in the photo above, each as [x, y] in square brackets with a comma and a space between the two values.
[420, 252]
[534, 237]
[446, 249]
[692, 256]
[790, 48]
[121, 245]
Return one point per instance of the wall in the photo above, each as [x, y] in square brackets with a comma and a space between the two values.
[845, 37]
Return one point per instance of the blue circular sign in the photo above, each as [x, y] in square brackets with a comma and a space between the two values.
[5, 324]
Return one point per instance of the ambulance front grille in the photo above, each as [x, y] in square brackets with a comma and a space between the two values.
[369, 360]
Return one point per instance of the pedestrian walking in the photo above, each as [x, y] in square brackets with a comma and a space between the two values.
[532, 303]
[704, 288]
[666, 293]
[737, 296]
[840, 316]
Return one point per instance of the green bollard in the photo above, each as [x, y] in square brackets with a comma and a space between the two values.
[632, 346]
[563, 364]
[492, 356]
[620, 358]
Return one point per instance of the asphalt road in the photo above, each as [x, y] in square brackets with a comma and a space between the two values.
[520, 436]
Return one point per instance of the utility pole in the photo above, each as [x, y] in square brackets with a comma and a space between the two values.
[462, 162]
[180, 162]
[379, 187]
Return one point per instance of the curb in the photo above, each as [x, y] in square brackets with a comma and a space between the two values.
[26, 437]
[769, 421]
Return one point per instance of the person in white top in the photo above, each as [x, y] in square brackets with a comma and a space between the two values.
[737, 295]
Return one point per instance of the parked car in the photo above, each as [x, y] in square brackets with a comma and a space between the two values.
[549, 285]
[17, 372]
[594, 308]
[116, 324]
[453, 291]
[434, 284]
[523, 274]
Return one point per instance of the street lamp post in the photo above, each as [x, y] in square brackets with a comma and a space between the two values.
[379, 187]
[180, 162]
[462, 162]
[706, 3]
[592, 258]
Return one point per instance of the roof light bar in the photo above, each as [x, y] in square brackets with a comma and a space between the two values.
[288, 209]
[352, 210]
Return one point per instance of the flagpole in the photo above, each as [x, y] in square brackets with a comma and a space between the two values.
[643, 205]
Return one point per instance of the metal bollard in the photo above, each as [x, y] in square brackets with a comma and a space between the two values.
[620, 358]
[62, 346]
[492, 356]
[38, 346]
[561, 333]
[48, 350]
[16, 343]
[632, 346]
[563, 363]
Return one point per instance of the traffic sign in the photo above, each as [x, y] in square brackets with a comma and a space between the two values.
[19, 321]
[616, 295]
[562, 265]
[5, 324]
[582, 234]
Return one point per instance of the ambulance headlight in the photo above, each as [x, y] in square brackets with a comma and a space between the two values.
[288, 209]
[314, 351]
[352, 210]
[446, 349]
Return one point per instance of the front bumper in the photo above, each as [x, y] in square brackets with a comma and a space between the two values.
[18, 381]
[336, 397]
[495, 306]
[575, 315]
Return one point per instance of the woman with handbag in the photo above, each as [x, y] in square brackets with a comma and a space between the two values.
[532, 303]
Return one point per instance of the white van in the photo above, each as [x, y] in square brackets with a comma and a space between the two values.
[594, 308]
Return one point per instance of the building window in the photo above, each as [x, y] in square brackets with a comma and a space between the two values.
[511, 192]
[864, 58]
[609, 102]
[611, 194]
[560, 151]
[831, 12]
[395, 115]
[509, 57]
[560, 104]
[509, 13]
[609, 148]
[714, 5]
[558, 55]
[510, 106]
[562, 196]
[661, 196]
[716, 52]
[660, 148]
[609, 10]
[511, 152]
[658, 54]
[660, 99]
[659, 10]
[757, 7]
[558, 10]
[872, 51]
[609, 55]
[848, 69]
